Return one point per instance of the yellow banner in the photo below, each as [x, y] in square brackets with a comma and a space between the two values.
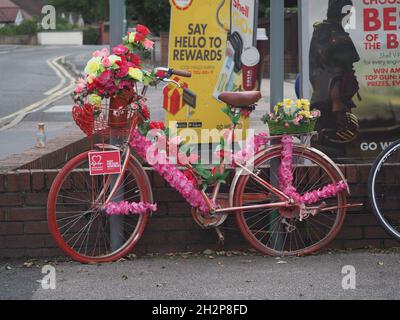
[198, 43]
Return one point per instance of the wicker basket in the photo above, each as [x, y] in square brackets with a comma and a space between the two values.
[279, 128]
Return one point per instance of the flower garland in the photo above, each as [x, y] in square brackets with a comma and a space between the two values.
[286, 179]
[176, 179]
[125, 208]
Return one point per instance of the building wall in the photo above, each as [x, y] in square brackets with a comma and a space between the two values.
[24, 232]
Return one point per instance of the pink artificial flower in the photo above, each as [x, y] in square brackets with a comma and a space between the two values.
[120, 50]
[148, 44]
[102, 53]
[296, 121]
[106, 62]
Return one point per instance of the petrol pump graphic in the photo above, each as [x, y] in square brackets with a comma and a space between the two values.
[241, 63]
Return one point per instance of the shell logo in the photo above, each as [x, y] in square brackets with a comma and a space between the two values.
[181, 4]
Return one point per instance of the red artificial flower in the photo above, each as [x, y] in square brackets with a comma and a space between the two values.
[105, 78]
[143, 30]
[214, 171]
[146, 112]
[161, 74]
[133, 58]
[123, 69]
[245, 113]
[139, 37]
[120, 50]
[190, 176]
[157, 125]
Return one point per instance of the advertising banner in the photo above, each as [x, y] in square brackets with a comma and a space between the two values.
[215, 40]
[372, 89]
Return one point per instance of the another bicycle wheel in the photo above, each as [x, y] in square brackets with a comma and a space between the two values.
[384, 189]
[279, 232]
[76, 215]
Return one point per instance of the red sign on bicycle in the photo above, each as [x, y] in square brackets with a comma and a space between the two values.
[104, 163]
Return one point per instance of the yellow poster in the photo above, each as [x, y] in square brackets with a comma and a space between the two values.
[199, 44]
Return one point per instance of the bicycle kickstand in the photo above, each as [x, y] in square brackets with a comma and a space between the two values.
[221, 237]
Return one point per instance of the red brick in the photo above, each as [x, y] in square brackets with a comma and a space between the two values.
[38, 227]
[375, 233]
[179, 209]
[26, 214]
[13, 253]
[192, 237]
[172, 224]
[43, 252]
[11, 228]
[36, 199]
[351, 174]
[391, 243]
[24, 180]
[154, 238]
[24, 241]
[363, 173]
[38, 180]
[2, 183]
[362, 244]
[50, 176]
[2, 215]
[336, 245]
[158, 181]
[12, 182]
[348, 233]
[166, 195]
[360, 220]
[11, 199]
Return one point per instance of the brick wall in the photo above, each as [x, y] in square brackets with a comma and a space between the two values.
[23, 226]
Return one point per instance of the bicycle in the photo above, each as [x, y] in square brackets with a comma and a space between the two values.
[383, 186]
[273, 221]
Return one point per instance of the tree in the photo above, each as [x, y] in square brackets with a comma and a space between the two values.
[154, 13]
[92, 10]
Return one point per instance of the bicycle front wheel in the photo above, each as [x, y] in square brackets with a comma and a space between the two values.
[280, 231]
[384, 190]
[77, 219]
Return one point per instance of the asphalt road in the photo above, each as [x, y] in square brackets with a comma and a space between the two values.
[377, 276]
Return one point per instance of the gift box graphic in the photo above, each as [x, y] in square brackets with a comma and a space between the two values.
[173, 96]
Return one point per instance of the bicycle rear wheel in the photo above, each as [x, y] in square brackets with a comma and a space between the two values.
[279, 232]
[384, 190]
[77, 219]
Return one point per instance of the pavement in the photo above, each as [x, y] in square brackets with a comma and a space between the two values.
[366, 275]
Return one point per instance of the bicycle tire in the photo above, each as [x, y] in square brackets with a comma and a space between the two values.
[71, 174]
[250, 232]
[372, 190]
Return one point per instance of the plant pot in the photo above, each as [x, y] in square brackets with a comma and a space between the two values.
[118, 116]
[279, 128]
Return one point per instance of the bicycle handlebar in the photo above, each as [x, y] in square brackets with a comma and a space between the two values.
[181, 73]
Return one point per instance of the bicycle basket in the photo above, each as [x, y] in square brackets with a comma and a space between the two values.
[112, 117]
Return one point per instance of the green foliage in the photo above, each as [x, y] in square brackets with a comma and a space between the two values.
[91, 35]
[154, 13]
[235, 118]
[27, 27]
[92, 10]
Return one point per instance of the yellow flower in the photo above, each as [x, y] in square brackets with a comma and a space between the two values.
[136, 74]
[95, 100]
[131, 38]
[288, 103]
[306, 104]
[276, 109]
[93, 66]
[299, 104]
[306, 114]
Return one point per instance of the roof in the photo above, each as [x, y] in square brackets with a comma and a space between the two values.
[8, 14]
[32, 7]
[9, 11]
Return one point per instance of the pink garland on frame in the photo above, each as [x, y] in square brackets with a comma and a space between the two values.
[126, 208]
[286, 179]
[171, 174]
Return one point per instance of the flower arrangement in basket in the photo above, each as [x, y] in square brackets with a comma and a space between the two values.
[292, 117]
[106, 96]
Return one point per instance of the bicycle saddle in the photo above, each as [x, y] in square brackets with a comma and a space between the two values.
[240, 99]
